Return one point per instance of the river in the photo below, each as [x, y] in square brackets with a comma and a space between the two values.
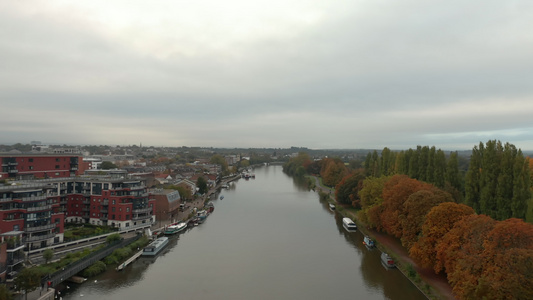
[269, 238]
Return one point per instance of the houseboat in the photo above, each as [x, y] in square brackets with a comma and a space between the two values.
[387, 260]
[348, 224]
[155, 246]
[368, 242]
[201, 216]
[175, 228]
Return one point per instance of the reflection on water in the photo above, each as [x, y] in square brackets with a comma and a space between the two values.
[269, 238]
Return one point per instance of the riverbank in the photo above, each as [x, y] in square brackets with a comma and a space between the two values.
[432, 285]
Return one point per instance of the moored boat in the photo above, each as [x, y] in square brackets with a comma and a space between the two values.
[367, 241]
[173, 229]
[387, 260]
[332, 206]
[153, 248]
[349, 225]
[201, 216]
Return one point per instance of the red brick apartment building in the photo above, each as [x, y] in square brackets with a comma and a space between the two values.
[40, 208]
[29, 166]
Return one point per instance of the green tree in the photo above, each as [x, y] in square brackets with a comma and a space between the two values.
[473, 179]
[201, 183]
[113, 238]
[346, 192]
[5, 294]
[218, 159]
[48, 254]
[107, 165]
[28, 280]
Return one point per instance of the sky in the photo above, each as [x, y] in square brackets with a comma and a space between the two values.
[343, 74]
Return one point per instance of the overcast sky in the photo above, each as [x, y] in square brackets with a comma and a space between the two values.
[273, 73]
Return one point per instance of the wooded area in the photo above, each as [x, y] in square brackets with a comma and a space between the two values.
[468, 224]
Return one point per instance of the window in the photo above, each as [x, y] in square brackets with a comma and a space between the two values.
[16, 228]
[127, 209]
[114, 202]
[57, 166]
[31, 160]
[57, 159]
[113, 209]
[30, 167]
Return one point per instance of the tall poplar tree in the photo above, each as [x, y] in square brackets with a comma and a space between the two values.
[489, 178]
[473, 179]
[440, 169]
[521, 187]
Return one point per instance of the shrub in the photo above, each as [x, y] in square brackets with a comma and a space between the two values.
[95, 269]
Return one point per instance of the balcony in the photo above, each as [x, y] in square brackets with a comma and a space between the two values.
[74, 168]
[13, 171]
[40, 228]
[39, 208]
[143, 217]
[37, 238]
[34, 198]
[142, 210]
[6, 199]
[12, 163]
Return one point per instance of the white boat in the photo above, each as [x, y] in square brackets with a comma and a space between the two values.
[387, 260]
[349, 225]
[173, 229]
[332, 206]
[368, 242]
[155, 246]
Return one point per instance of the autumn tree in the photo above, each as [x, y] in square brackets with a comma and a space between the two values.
[416, 207]
[395, 192]
[371, 195]
[333, 170]
[295, 165]
[347, 191]
[439, 221]
[508, 255]
[460, 253]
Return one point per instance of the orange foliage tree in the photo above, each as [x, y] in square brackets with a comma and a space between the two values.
[416, 208]
[395, 192]
[333, 170]
[459, 253]
[508, 256]
[439, 221]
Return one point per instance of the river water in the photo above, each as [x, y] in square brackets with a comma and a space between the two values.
[269, 238]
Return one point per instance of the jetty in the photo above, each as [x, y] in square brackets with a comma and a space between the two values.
[129, 261]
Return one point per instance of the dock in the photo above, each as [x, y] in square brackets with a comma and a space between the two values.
[129, 261]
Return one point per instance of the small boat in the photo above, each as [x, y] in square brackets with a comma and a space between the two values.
[368, 242]
[173, 229]
[155, 247]
[221, 197]
[349, 225]
[201, 216]
[387, 260]
[225, 186]
[332, 206]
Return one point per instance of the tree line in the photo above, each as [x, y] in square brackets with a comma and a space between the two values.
[482, 258]
[469, 225]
